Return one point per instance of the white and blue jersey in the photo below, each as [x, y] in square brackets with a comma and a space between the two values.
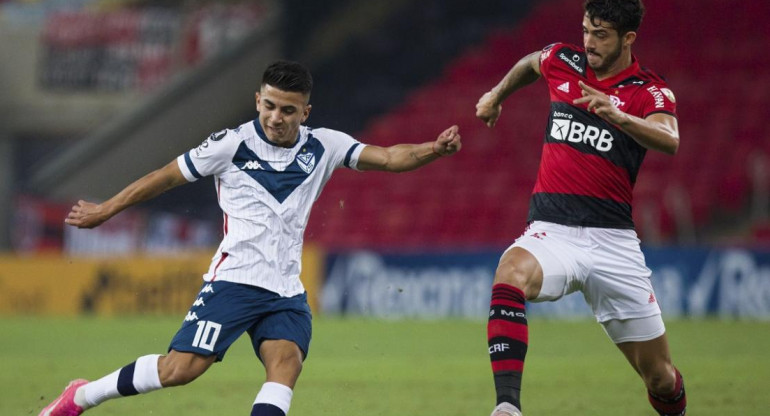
[266, 192]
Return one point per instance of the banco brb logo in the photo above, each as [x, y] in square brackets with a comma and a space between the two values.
[577, 132]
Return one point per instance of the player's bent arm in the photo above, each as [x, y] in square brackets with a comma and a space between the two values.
[89, 215]
[659, 131]
[523, 73]
[406, 157]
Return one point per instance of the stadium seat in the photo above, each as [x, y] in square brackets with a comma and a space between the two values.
[480, 196]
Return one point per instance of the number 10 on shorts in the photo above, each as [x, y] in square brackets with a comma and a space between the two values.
[204, 338]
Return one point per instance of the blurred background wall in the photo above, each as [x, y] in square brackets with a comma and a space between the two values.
[96, 93]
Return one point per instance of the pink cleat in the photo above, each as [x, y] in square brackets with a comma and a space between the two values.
[64, 405]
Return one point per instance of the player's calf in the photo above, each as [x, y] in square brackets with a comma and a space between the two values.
[507, 337]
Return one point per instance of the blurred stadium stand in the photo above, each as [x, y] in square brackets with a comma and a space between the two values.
[715, 189]
[160, 78]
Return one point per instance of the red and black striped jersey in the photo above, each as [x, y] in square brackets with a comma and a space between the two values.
[589, 166]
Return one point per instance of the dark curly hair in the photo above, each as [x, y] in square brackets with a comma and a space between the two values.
[288, 76]
[624, 15]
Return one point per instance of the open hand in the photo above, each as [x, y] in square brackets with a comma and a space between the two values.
[600, 103]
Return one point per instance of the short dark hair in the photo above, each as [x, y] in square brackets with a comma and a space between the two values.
[288, 76]
[624, 15]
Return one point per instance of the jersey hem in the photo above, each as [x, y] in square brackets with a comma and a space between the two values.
[594, 224]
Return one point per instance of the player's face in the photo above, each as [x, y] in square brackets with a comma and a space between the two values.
[603, 44]
[280, 114]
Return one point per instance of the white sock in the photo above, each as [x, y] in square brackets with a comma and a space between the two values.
[276, 394]
[140, 376]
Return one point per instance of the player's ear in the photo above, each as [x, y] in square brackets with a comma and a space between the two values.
[306, 112]
[629, 38]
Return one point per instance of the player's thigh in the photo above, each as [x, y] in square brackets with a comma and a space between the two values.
[545, 262]
[222, 311]
[519, 268]
[291, 320]
[619, 286]
[644, 343]
[178, 368]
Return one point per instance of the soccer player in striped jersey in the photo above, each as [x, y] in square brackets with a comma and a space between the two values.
[606, 112]
[268, 172]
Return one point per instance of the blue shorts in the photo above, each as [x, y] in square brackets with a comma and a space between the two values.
[225, 310]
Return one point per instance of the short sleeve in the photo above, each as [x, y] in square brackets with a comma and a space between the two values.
[658, 98]
[344, 149]
[212, 157]
[545, 59]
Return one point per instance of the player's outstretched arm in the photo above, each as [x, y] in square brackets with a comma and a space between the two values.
[525, 72]
[89, 215]
[659, 131]
[405, 157]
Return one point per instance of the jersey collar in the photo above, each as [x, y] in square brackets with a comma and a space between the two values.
[620, 76]
[263, 136]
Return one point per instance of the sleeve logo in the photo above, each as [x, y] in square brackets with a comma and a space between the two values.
[657, 95]
[669, 94]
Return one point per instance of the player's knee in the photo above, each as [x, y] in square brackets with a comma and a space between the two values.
[512, 273]
[285, 363]
[178, 373]
[661, 382]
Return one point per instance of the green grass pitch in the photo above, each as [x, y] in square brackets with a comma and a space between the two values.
[372, 367]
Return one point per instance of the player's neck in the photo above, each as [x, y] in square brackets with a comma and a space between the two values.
[621, 64]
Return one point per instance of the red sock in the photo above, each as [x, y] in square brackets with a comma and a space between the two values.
[674, 404]
[507, 337]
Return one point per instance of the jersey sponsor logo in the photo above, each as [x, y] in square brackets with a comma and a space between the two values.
[306, 161]
[657, 95]
[564, 87]
[499, 347]
[669, 94]
[577, 132]
[191, 316]
[572, 61]
[252, 165]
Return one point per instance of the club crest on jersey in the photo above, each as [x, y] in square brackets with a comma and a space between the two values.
[306, 161]
[615, 100]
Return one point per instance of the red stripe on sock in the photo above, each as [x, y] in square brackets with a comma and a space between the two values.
[507, 365]
[503, 294]
[512, 330]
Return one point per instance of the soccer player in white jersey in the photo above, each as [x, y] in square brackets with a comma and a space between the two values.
[268, 172]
